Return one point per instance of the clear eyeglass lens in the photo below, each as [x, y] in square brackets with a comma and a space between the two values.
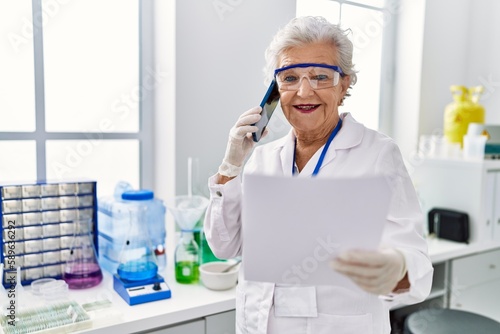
[319, 78]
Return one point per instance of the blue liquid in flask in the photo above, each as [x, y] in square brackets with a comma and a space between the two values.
[137, 270]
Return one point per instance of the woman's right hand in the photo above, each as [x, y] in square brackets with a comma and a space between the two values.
[240, 143]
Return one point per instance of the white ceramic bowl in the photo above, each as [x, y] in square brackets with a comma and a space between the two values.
[212, 277]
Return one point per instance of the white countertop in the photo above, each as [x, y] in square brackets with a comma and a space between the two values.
[442, 250]
[188, 302]
[195, 301]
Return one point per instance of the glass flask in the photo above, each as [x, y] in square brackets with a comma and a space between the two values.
[187, 260]
[82, 270]
[114, 214]
[137, 258]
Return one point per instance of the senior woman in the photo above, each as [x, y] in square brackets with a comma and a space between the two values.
[311, 60]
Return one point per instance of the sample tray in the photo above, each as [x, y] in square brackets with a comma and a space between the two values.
[37, 226]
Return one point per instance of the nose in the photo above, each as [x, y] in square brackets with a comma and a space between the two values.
[305, 88]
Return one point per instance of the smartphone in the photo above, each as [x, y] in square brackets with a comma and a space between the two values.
[268, 104]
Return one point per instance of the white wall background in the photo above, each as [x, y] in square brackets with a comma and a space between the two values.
[460, 47]
[215, 48]
[219, 60]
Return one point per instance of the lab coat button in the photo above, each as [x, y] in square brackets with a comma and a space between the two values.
[218, 193]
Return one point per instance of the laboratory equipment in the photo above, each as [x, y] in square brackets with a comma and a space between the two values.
[37, 285]
[137, 260]
[219, 275]
[474, 147]
[54, 292]
[187, 259]
[114, 214]
[36, 225]
[137, 279]
[464, 109]
[65, 317]
[187, 210]
[82, 270]
[206, 254]
[232, 266]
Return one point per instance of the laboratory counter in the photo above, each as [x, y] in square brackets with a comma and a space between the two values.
[188, 302]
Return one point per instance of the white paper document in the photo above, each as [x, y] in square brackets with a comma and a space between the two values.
[293, 227]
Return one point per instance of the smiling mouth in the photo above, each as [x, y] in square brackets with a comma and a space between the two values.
[306, 108]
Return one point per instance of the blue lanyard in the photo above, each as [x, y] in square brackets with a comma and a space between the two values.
[323, 153]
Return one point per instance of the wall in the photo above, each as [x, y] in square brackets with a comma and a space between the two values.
[445, 58]
[460, 47]
[219, 46]
[483, 65]
[442, 43]
[219, 60]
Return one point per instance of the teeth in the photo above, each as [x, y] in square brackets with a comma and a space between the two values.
[306, 107]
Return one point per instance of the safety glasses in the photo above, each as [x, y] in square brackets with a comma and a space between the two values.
[320, 76]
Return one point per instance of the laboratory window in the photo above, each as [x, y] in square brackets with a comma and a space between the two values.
[76, 91]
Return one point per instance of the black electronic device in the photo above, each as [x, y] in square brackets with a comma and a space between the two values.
[449, 224]
[268, 104]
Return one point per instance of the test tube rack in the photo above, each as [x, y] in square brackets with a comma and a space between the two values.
[36, 225]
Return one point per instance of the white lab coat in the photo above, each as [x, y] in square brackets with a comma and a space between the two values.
[273, 308]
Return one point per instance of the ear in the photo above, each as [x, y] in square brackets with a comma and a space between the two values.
[345, 82]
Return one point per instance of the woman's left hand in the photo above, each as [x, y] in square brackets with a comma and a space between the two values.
[376, 272]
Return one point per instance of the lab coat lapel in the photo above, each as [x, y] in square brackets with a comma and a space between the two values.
[286, 154]
[350, 135]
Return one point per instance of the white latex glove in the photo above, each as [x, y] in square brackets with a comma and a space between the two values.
[240, 143]
[377, 272]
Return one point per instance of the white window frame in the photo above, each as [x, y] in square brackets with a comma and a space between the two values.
[145, 135]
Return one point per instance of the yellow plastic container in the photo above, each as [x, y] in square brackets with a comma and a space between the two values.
[464, 109]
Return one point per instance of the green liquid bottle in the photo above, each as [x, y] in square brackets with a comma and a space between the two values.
[187, 259]
[206, 254]
[187, 272]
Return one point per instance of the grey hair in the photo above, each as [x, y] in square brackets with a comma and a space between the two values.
[306, 30]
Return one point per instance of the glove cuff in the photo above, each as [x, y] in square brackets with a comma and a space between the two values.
[229, 170]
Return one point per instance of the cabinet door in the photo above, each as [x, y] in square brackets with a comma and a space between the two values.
[481, 299]
[475, 283]
[496, 207]
[193, 327]
[490, 209]
[221, 323]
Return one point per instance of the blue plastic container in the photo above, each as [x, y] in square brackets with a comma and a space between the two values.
[122, 220]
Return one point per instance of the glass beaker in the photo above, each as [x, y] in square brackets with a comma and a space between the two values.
[82, 269]
[137, 258]
[187, 261]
